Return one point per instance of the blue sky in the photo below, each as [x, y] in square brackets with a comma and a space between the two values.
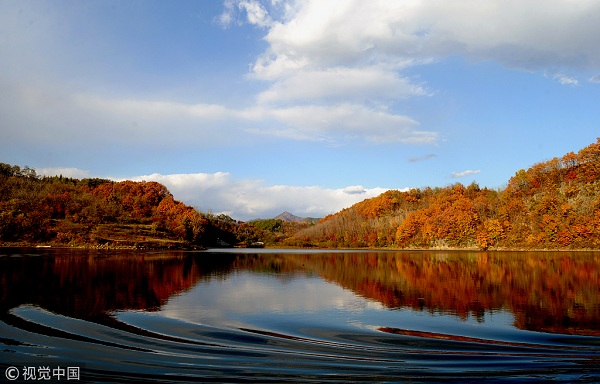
[254, 107]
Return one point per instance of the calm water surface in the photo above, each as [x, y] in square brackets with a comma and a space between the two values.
[302, 316]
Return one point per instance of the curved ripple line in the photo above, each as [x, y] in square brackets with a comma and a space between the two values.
[474, 340]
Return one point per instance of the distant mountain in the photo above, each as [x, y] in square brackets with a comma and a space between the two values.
[289, 217]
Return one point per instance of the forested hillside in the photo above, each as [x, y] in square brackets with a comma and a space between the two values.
[554, 204]
[99, 212]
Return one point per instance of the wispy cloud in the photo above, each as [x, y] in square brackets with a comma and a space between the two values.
[421, 158]
[566, 80]
[252, 11]
[341, 83]
[339, 123]
[468, 172]
[256, 13]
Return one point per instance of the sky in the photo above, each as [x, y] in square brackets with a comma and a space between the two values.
[254, 107]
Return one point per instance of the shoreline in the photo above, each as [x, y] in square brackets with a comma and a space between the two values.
[173, 247]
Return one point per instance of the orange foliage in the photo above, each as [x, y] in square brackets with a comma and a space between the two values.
[451, 218]
[82, 212]
[387, 202]
[554, 204]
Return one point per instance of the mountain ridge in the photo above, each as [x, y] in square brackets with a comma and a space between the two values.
[291, 218]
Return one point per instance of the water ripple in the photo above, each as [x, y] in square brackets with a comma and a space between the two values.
[136, 346]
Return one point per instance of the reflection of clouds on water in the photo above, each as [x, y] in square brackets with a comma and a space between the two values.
[359, 305]
[246, 294]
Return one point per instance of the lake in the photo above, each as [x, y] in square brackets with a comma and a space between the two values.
[243, 315]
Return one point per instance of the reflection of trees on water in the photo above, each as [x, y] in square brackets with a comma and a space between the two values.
[91, 284]
[546, 291]
[554, 292]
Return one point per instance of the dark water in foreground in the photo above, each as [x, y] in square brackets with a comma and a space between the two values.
[260, 316]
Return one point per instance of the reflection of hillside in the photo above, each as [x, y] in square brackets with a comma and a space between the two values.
[89, 285]
[553, 292]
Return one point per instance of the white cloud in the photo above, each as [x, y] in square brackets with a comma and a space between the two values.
[320, 96]
[468, 172]
[251, 199]
[538, 34]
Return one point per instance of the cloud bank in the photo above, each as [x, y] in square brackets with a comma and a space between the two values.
[530, 35]
[245, 199]
[251, 199]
